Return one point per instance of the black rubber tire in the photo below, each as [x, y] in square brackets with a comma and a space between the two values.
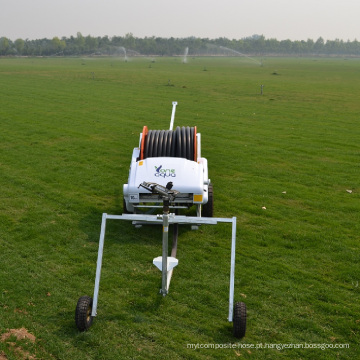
[125, 210]
[239, 320]
[83, 318]
[208, 208]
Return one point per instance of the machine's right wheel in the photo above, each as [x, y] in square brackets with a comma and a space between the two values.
[239, 320]
[83, 318]
[208, 209]
[125, 210]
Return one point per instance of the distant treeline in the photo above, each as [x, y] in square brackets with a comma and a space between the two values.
[129, 45]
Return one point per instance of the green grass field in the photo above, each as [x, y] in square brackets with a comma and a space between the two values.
[67, 130]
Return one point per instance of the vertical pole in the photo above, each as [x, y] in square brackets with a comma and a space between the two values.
[198, 145]
[173, 115]
[165, 244]
[98, 265]
[232, 269]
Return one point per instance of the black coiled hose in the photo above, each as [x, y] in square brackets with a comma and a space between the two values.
[168, 143]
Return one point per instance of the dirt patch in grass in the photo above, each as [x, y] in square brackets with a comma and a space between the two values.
[20, 335]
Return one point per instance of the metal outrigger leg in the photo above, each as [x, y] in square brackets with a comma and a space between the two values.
[86, 308]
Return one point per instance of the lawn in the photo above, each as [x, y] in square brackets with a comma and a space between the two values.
[285, 163]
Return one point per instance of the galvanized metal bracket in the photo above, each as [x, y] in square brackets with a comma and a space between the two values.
[166, 220]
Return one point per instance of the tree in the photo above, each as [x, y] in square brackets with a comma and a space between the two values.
[297, 47]
[259, 43]
[129, 41]
[58, 45]
[19, 46]
[272, 46]
[310, 45]
[286, 46]
[319, 45]
[91, 43]
[4, 46]
[255, 44]
[80, 42]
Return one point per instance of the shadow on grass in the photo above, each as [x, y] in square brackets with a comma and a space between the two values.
[121, 230]
[128, 314]
[127, 318]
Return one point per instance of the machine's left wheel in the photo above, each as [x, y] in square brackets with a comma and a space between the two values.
[208, 209]
[239, 320]
[83, 318]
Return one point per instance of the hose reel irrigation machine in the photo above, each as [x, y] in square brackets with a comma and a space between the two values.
[167, 171]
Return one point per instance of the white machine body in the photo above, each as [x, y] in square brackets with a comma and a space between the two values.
[190, 178]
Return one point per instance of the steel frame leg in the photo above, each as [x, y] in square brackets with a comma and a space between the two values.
[99, 264]
[232, 269]
[165, 251]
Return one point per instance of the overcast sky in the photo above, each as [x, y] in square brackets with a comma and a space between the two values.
[233, 19]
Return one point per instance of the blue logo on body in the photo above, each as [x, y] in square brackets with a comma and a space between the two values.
[159, 171]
